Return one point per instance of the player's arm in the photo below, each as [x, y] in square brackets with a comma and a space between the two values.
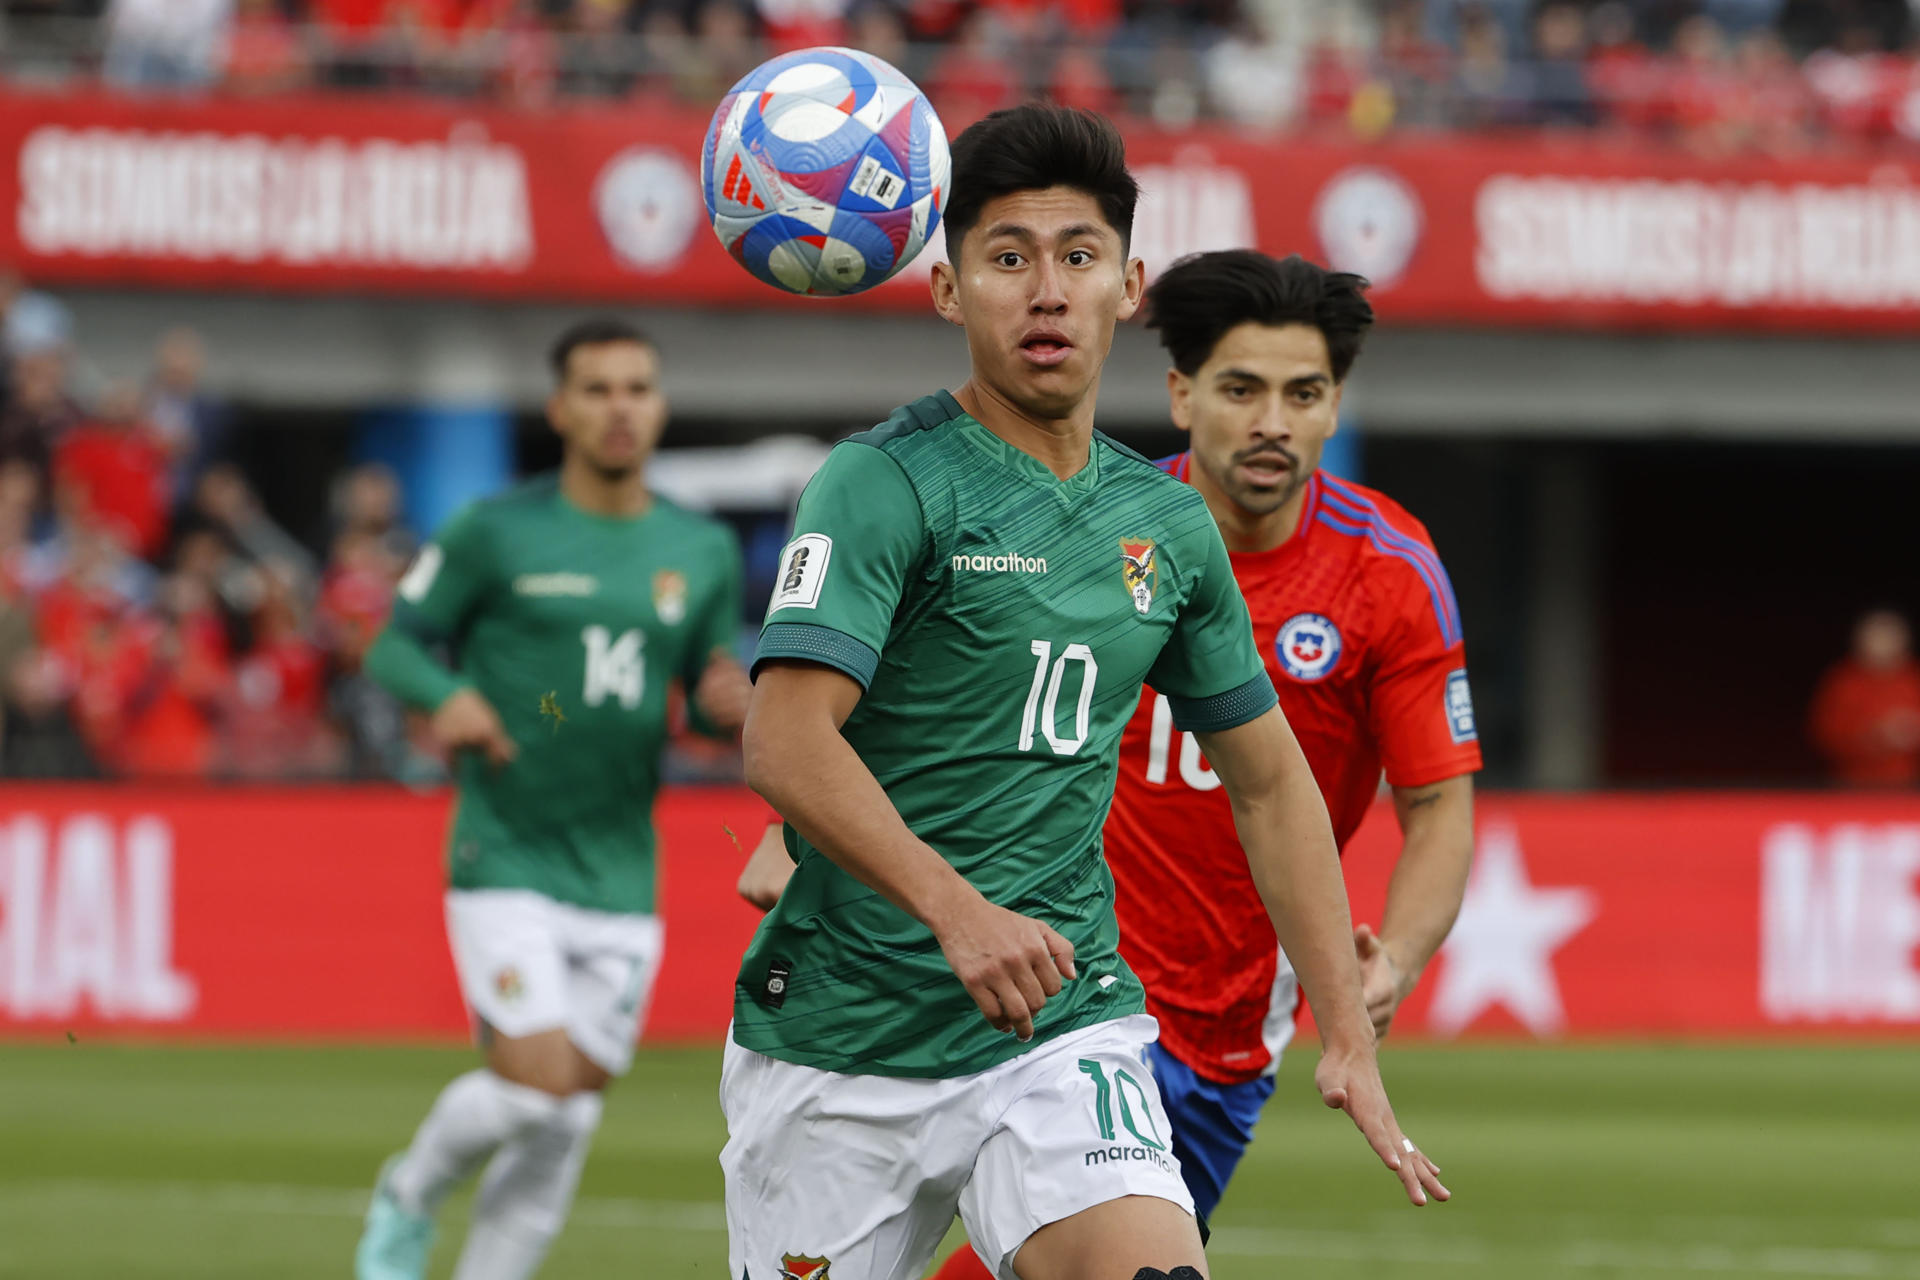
[718, 682]
[1420, 712]
[1282, 824]
[860, 536]
[1423, 897]
[432, 606]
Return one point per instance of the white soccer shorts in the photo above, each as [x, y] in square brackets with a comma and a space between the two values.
[867, 1172]
[528, 963]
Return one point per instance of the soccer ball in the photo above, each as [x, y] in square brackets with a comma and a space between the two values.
[824, 171]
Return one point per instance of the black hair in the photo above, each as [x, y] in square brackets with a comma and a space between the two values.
[1033, 147]
[591, 333]
[1199, 298]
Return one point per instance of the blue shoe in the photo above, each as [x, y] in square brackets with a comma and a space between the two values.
[395, 1243]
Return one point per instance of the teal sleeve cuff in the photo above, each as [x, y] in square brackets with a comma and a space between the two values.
[1226, 710]
[824, 645]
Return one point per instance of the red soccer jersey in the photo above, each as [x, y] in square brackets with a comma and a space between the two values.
[1362, 638]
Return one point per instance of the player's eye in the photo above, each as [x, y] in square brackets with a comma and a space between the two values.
[1008, 259]
[1079, 258]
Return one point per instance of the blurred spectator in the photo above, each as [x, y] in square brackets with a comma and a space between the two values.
[38, 410]
[723, 49]
[1623, 75]
[1772, 106]
[1078, 80]
[1854, 82]
[165, 44]
[1866, 712]
[1703, 103]
[973, 76]
[189, 423]
[1414, 69]
[115, 469]
[383, 42]
[876, 27]
[366, 501]
[173, 681]
[34, 321]
[802, 24]
[277, 728]
[38, 736]
[595, 61]
[224, 502]
[264, 52]
[1483, 80]
[1557, 90]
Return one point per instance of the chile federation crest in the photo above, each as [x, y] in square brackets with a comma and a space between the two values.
[1308, 646]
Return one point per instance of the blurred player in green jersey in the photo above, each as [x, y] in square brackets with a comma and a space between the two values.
[934, 1016]
[571, 603]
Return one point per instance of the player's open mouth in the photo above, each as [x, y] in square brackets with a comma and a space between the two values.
[1266, 470]
[1046, 348]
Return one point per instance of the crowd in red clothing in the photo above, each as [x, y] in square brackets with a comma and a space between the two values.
[154, 620]
[1766, 74]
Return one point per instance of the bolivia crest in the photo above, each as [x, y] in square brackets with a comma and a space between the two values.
[670, 596]
[1138, 567]
[794, 1266]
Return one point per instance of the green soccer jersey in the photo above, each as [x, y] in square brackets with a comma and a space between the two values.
[572, 625]
[1001, 621]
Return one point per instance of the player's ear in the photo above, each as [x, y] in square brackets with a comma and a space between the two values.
[1180, 399]
[1135, 285]
[945, 284]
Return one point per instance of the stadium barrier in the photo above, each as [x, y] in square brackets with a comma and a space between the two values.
[413, 196]
[315, 913]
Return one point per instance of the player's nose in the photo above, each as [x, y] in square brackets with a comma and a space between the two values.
[1049, 290]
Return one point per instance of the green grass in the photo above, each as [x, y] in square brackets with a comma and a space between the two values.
[1653, 1163]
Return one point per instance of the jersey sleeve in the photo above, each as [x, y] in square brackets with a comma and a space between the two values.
[858, 536]
[1420, 708]
[439, 592]
[1210, 669]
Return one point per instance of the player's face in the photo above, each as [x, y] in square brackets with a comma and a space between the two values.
[1038, 284]
[609, 408]
[1260, 411]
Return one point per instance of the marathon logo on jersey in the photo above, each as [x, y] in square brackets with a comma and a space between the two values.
[1139, 569]
[1460, 707]
[670, 596]
[803, 567]
[556, 584]
[795, 1266]
[1308, 646]
[1000, 564]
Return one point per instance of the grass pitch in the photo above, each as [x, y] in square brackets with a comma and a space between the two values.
[1654, 1163]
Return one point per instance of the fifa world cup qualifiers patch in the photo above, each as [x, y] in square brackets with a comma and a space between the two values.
[803, 567]
[1460, 707]
[773, 992]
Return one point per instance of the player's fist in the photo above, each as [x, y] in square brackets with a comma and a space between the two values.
[466, 721]
[1382, 985]
[723, 692]
[1009, 963]
[768, 869]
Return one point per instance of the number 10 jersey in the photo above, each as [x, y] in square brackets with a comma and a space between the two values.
[1001, 622]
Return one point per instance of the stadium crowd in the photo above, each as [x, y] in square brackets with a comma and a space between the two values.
[155, 620]
[1716, 74]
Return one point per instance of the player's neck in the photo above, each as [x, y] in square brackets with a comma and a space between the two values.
[1061, 445]
[1245, 531]
[622, 497]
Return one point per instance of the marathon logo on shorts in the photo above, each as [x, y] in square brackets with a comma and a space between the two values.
[1460, 723]
[774, 989]
[803, 567]
[1120, 1155]
[795, 1266]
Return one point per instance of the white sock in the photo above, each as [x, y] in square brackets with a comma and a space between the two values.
[470, 1119]
[526, 1193]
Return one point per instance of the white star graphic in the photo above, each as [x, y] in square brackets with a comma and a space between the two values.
[1501, 949]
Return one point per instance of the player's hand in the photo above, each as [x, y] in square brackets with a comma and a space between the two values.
[1349, 1080]
[1382, 984]
[466, 721]
[1009, 963]
[768, 869]
[723, 692]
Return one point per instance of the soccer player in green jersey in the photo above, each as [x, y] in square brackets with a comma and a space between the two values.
[571, 602]
[934, 1015]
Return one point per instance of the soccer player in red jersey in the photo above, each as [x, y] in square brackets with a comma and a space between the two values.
[1361, 634]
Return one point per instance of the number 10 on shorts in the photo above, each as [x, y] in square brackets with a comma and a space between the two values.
[1133, 1100]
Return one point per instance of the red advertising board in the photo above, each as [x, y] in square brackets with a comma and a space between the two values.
[316, 913]
[431, 198]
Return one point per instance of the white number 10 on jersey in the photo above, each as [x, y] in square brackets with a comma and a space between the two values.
[1045, 712]
[615, 668]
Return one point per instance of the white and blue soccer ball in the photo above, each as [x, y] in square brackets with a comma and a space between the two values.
[825, 171]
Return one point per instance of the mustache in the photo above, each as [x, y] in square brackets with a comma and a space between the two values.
[1268, 450]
